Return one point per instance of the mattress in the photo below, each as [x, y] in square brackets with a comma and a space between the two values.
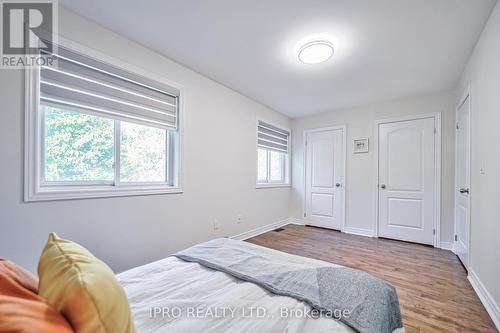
[172, 295]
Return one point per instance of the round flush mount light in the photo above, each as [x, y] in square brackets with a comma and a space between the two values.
[315, 52]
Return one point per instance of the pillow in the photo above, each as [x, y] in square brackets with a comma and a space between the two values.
[83, 288]
[22, 311]
[20, 275]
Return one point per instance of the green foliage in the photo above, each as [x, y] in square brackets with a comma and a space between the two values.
[143, 153]
[78, 147]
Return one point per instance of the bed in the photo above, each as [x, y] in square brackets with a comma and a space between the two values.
[183, 295]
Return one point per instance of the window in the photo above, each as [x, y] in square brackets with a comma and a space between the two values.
[96, 130]
[272, 155]
[78, 147]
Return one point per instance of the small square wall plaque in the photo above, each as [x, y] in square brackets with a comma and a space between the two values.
[361, 145]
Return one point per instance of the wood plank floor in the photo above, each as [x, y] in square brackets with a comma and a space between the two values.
[432, 285]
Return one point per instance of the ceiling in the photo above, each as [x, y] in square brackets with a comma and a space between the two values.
[384, 49]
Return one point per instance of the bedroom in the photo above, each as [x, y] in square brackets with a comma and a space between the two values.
[168, 124]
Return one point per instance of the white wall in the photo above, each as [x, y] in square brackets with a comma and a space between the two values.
[360, 121]
[219, 166]
[483, 75]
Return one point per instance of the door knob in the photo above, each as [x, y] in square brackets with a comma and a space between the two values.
[337, 185]
[382, 186]
[464, 190]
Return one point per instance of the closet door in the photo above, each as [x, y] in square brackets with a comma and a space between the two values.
[324, 178]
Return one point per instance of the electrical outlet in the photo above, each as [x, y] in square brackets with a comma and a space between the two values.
[216, 224]
[239, 218]
[482, 170]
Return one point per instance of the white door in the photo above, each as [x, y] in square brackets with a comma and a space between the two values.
[462, 198]
[325, 178]
[407, 180]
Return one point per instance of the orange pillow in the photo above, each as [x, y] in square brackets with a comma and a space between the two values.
[22, 311]
[20, 275]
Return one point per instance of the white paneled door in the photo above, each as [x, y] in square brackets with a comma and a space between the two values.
[407, 180]
[462, 198]
[324, 171]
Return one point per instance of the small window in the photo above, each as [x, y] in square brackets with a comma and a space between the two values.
[97, 130]
[272, 155]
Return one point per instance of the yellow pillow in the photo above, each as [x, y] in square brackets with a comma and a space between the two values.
[83, 288]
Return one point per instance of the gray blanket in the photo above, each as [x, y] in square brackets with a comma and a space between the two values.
[368, 304]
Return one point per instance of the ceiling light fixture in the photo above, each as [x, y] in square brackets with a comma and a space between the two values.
[315, 52]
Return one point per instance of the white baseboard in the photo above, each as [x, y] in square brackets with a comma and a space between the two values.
[296, 221]
[348, 230]
[447, 246]
[260, 230]
[359, 231]
[489, 303]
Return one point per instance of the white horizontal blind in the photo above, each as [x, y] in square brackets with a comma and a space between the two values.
[89, 85]
[272, 137]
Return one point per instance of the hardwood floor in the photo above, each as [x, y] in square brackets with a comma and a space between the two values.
[432, 285]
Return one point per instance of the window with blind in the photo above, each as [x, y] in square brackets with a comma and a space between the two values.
[97, 129]
[273, 146]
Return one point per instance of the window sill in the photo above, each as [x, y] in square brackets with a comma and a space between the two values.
[272, 185]
[89, 192]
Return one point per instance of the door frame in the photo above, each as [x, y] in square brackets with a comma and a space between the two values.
[466, 94]
[344, 157]
[437, 169]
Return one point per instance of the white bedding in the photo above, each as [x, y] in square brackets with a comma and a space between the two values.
[172, 295]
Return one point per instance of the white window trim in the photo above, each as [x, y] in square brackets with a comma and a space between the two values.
[33, 191]
[287, 173]
[271, 185]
